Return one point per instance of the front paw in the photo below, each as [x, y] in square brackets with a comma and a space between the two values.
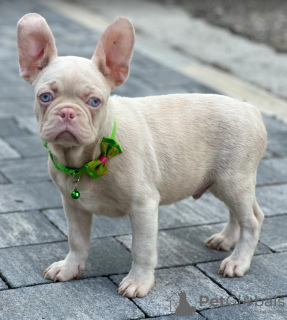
[63, 271]
[219, 241]
[131, 287]
[233, 267]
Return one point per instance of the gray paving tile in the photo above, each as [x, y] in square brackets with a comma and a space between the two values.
[274, 125]
[26, 228]
[23, 266]
[268, 154]
[3, 180]
[28, 123]
[272, 171]
[83, 299]
[3, 285]
[30, 196]
[194, 316]
[30, 169]
[169, 282]
[186, 246]
[273, 233]
[28, 146]
[9, 108]
[272, 199]
[157, 75]
[277, 144]
[9, 128]
[135, 87]
[102, 226]
[7, 92]
[277, 131]
[274, 310]
[264, 279]
[188, 212]
[7, 152]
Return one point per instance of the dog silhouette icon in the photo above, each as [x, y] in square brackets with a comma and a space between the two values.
[184, 308]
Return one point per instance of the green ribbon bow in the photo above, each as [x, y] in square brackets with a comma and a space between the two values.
[98, 167]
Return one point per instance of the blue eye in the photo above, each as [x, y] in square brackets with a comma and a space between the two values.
[94, 102]
[46, 97]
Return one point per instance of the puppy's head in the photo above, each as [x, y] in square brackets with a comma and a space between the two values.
[71, 93]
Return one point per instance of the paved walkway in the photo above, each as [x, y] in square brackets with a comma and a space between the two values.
[33, 229]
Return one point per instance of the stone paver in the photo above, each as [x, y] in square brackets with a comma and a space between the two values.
[9, 128]
[28, 123]
[188, 212]
[6, 152]
[10, 108]
[3, 285]
[273, 233]
[169, 282]
[102, 226]
[265, 279]
[186, 246]
[272, 199]
[20, 197]
[194, 316]
[266, 310]
[28, 146]
[22, 170]
[3, 179]
[23, 266]
[272, 171]
[83, 299]
[23, 228]
[277, 130]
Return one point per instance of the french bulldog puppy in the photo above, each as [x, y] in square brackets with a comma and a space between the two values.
[173, 147]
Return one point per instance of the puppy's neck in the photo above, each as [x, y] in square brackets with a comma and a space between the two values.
[78, 156]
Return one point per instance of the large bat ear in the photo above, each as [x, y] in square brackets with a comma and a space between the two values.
[36, 45]
[114, 51]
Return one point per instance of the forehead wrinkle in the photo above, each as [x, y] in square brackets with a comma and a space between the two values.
[54, 86]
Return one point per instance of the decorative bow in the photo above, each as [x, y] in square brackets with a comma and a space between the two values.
[109, 149]
[95, 168]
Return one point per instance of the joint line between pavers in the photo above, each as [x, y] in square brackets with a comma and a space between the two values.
[30, 210]
[131, 299]
[271, 184]
[265, 245]
[33, 244]
[4, 279]
[218, 284]
[52, 223]
[121, 243]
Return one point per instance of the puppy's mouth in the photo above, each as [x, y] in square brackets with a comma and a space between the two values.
[66, 136]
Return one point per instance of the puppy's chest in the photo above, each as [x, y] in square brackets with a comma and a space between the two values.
[95, 197]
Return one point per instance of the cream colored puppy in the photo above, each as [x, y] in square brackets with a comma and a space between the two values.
[174, 146]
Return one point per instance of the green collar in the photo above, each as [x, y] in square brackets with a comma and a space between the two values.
[98, 167]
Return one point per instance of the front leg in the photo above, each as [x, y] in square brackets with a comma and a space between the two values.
[79, 230]
[140, 280]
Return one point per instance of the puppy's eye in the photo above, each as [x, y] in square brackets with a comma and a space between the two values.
[46, 97]
[94, 102]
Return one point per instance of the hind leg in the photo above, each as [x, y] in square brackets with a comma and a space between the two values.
[244, 224]
[242, 203]
[227, 238]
